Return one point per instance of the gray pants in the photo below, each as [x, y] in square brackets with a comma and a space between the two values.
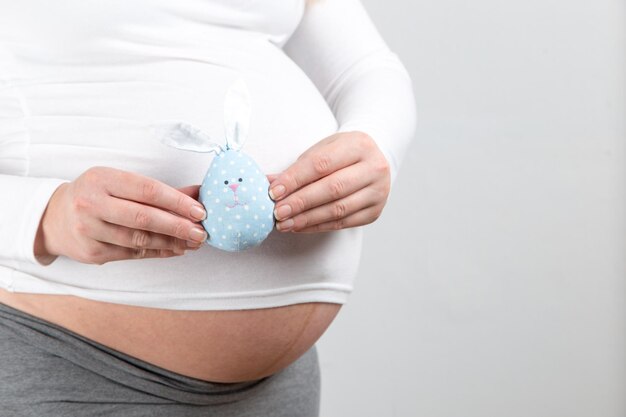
[47, 370]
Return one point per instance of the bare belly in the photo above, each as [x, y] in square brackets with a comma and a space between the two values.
[218, 346]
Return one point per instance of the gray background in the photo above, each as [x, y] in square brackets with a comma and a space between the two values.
[494, 282]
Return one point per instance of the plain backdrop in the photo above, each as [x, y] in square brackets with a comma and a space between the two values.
[494, 284]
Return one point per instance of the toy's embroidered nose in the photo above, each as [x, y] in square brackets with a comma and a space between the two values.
[233, 187]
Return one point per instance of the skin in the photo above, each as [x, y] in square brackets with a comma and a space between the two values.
[342, 181]
[107, 214]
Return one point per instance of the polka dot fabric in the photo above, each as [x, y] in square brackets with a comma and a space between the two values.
[234, 191]
[235, 195]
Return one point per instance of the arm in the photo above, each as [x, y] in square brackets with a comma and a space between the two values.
[344, 180]
[365, 84]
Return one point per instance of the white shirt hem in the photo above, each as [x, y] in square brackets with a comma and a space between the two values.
[16, 281]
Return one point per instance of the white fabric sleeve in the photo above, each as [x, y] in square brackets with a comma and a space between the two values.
[23, 202]
[364, 83]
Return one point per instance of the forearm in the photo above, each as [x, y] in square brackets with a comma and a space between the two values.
[24, 202]
[363, 81]
[378, 101]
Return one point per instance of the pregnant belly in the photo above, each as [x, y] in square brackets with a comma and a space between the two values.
[218, 346]
[99, 113]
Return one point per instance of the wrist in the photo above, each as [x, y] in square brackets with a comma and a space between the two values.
[42, 247]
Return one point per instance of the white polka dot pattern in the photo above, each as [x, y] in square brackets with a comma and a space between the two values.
[242, 216]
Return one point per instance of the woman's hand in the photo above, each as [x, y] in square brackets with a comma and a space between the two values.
[342, 181]
[107, 215]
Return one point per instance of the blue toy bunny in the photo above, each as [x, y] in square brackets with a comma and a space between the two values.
[234, 191]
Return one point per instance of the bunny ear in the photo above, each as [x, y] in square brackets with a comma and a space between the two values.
[184, 136]
[237, 114]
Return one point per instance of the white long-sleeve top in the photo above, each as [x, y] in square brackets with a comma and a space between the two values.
[81, 81]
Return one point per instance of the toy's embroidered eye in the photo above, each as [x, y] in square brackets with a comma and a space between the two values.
[240, 179]
[226, 182]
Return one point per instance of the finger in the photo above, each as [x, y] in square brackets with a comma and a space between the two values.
[137, 216]
[120, 253]
[313, 165]
[137, 239]
[334, 187]
[135, 187]
[361, 218]
[271, 177]
[108, 252]
[335, 210]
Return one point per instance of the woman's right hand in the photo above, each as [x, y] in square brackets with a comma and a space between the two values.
[107, 215]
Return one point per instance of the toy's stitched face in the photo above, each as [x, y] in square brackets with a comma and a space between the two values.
[233, 185]
[235, 195]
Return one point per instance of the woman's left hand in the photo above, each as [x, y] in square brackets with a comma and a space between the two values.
[342, 181]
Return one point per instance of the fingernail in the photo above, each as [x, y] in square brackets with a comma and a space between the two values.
[282, 212]
[277, 191]
[198, 235]
[284, 226]
[198, 212]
